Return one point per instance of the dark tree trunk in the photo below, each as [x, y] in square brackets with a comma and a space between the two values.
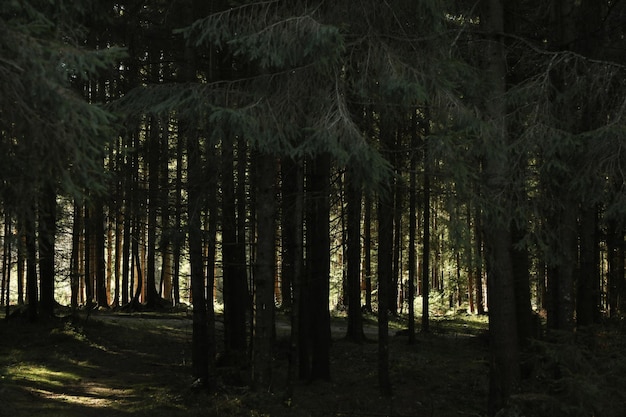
[98, 237]
[615, 258]
[588, 276]
[367, 251]
[47, 236]
[153, 149]
[236, 299]
[504, 372]
[289, 177]
[178, 234]
[412, 263]
[296, 196]
[385, 271]
[6, 261]
[264, 274]
[88, 277]
[318, 265]
[75, 258]
[200, 340]
[521, 271]
[353, 275]
[425, 278]
[31, 266]
[21, 257]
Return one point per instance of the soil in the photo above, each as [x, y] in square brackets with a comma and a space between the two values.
[114, 364]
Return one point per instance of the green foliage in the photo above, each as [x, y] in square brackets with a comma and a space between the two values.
[48, 131]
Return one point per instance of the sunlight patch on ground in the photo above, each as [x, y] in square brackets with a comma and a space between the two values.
[41, 375]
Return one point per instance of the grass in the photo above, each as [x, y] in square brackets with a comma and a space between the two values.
[139, 365]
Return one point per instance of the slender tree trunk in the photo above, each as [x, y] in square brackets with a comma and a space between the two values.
[318, 265]
[178, 232]
[98, 237]
[154, 149]
[367, 251]
[6, 264]
[75, 258]
[47, 235]
[412, 263]
[296, 197]
[264, 274]
[234, 274]
[426, 270]
[21, 257]
[385, 271]
[200, 339]
[289, 178]
[89, 290]
[353, 276]
[31, 266]
[588, 276]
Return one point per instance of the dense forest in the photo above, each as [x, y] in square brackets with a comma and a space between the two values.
[398, 157]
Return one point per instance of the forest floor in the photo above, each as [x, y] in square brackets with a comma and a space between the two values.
[115, 364]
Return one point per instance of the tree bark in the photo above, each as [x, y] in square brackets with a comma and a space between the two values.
[504, 372]
[318, 265]
[353, 275]
[47, 236]
[264, 274]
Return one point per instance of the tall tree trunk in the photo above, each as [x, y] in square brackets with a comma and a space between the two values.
[588, 276]
[234, 274]
[178, 232]
[31, 266]
[521, 271]
[88, 264]
[153, 149]
[6, 260]
[294, 228]
[426, 270]
[318, 265]
[47, 236]
[264, 273]
[21, 257]
[353, 275]
[98, 237]
[367, 250]
[412, 262]
[200, 339]
[75, 257]
[385, 271]
[504, 372]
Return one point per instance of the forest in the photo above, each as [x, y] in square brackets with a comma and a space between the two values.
[379, 166]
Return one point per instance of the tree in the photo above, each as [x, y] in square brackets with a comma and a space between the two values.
[504, 372]
[264, 273]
